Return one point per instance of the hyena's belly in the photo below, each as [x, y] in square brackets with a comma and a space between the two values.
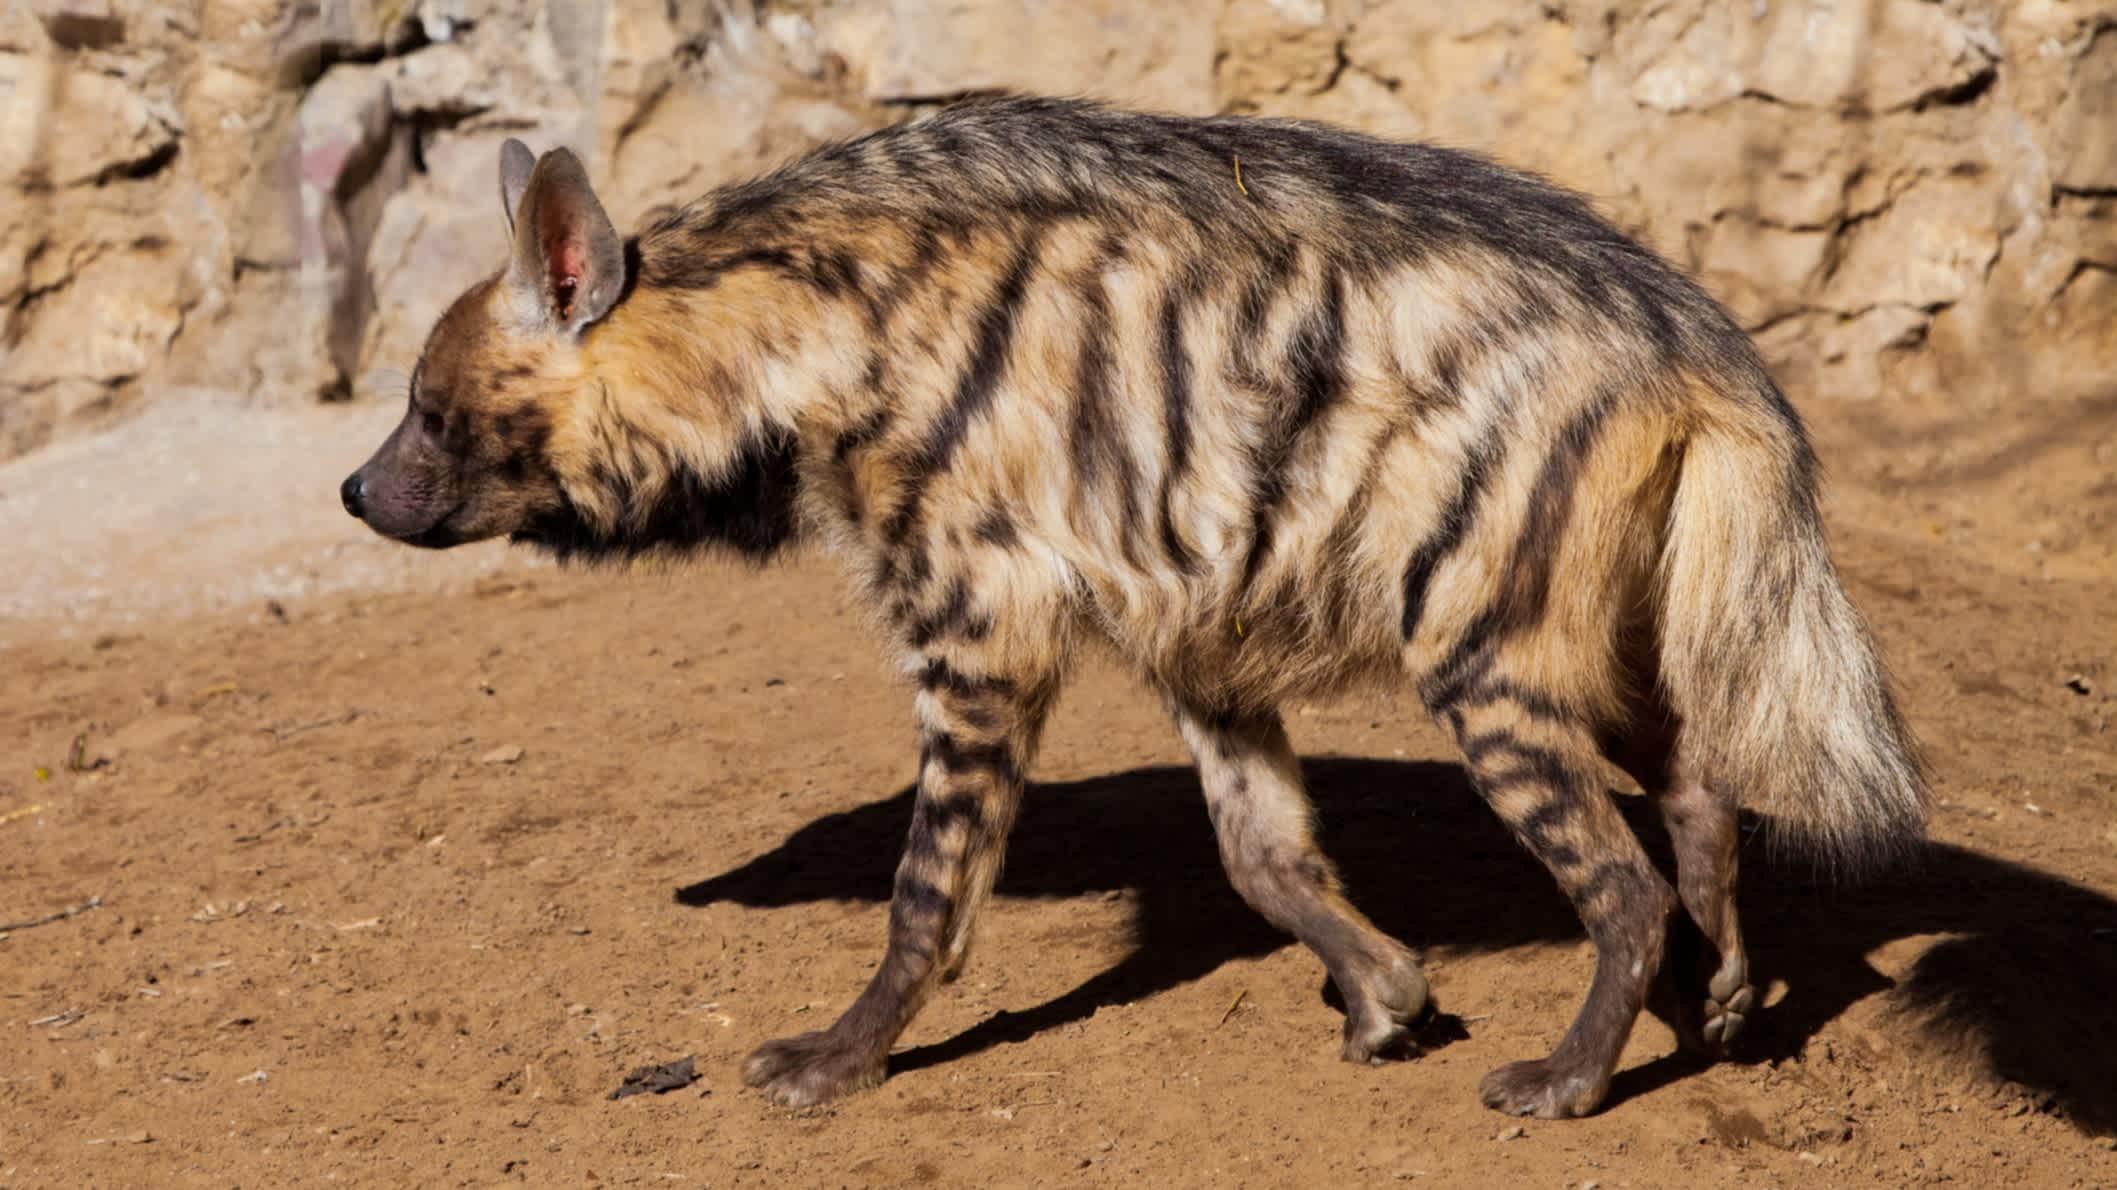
[1212, 639]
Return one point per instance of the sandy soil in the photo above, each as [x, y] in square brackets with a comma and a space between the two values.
[405, 861]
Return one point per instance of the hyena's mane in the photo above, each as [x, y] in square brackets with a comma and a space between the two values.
[1225, 192]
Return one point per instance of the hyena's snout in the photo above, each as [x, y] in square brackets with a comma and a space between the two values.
[407, 491]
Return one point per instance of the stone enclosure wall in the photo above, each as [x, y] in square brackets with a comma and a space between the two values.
[1904, 199]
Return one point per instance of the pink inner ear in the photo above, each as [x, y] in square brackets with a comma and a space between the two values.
[566, 259]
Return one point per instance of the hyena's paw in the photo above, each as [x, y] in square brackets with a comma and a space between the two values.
[1729, 1001]
[1382, 1011]
[1542, 1089]
[811, 1068]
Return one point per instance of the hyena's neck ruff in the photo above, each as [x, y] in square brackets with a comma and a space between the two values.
[1271, 409]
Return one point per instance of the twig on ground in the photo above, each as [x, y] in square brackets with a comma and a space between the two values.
[47, 919]
[21, 812]
[343, 717]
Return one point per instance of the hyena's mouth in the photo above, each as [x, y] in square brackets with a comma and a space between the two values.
[440, 535]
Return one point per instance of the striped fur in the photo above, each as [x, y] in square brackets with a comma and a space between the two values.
[1049, 374]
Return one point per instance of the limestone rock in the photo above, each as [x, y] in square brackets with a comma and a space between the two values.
[62, 125]
[81, 24]
[1154, 55]
[349, 163]
[304, 36]
[1830, 355]
[2084, 148]
[440, 80]
[275, 195]
[1501, 80]
[1763, 273]
[744, 110]
[427, 249]
[1928, 248]
[1271, 47]
[1876, 56]
[110, 321]
[344, 122]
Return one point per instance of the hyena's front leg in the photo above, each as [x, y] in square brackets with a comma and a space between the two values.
[978, 732]
[1253, 791]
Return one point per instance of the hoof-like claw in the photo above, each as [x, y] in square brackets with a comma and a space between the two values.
[1380, 1015]
[811, 1068]
[1708, 1027]
[1724, 1018]
[1542, 1090]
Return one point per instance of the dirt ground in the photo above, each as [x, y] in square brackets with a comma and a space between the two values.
[403, 863]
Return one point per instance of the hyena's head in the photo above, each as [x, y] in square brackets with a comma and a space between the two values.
[473, 457]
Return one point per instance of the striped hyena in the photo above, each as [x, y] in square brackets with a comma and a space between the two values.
[1269, 409]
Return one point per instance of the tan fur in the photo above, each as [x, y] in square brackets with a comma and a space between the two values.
[1384, 415]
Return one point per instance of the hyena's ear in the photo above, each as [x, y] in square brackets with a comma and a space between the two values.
[515, 163]
[569, 266]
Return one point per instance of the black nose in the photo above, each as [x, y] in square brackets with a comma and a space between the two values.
[353, 493]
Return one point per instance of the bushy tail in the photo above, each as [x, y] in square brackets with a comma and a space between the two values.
[1783, 700]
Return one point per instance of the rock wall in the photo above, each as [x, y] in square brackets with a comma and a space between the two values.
[1902, 198]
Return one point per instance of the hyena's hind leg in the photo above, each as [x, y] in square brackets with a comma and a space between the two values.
[978, 727]
[1543, 773]
[1261, 815]
[1707, 968]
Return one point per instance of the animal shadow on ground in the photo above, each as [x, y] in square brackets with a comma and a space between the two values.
[2017, 985]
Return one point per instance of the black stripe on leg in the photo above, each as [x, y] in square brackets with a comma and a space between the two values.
[1465, 667]
[1534, 766]
[1476, 748]
[953, 618]
[939, 675]
[952, 756]
[964, 806]
[919, 902]
[1538, 824]
[1534, 703]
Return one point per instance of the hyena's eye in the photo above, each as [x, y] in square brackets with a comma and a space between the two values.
[432, 422]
